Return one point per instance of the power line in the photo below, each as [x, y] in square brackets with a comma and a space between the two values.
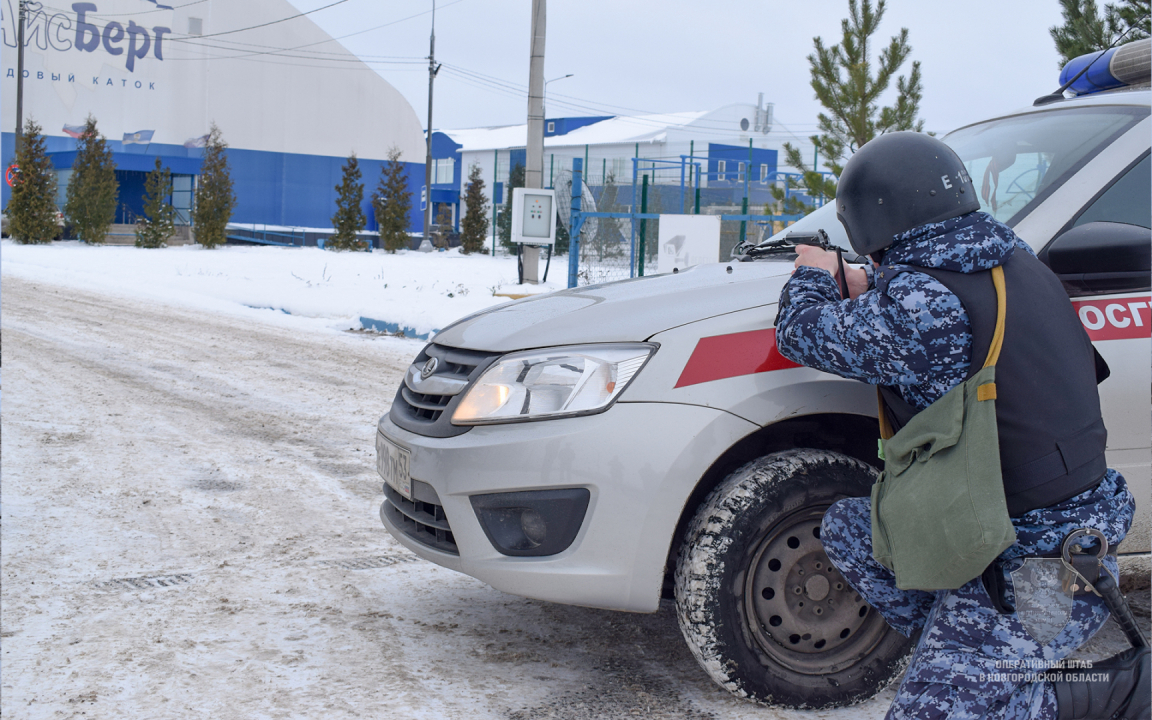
[271, 22]
[586, 105]
[191, 39]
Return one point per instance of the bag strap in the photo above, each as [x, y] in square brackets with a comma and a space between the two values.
[1001, 311]
[987, 391]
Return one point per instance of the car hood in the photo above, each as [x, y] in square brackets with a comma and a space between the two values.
[624, 311]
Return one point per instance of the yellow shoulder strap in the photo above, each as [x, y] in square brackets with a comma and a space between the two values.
[885, 426]
[988, 390]
[1001, 311]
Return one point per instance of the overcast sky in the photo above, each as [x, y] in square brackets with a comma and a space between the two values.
[978, 57]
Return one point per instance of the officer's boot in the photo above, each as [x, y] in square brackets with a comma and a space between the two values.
[1123, 693]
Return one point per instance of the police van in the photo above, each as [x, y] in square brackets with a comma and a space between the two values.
[612, 445]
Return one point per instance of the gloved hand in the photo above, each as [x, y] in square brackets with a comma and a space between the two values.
[811, 256]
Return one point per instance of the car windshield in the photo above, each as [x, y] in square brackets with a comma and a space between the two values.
[1014, 162]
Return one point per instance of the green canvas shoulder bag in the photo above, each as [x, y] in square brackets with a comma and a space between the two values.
[939, 516]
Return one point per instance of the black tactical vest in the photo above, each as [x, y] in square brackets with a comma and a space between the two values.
[1051, 432]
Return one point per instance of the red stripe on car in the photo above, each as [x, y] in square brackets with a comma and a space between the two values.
[1121, 318]
[726, 356]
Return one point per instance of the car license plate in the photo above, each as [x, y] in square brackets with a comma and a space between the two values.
[392, 462]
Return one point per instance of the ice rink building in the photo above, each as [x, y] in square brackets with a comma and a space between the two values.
[291, 102]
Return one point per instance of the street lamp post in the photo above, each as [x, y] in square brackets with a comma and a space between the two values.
[20, 79]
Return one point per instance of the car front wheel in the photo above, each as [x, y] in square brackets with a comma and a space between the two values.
[761, 607]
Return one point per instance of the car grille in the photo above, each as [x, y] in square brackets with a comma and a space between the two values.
[430, 413]
[422, 521]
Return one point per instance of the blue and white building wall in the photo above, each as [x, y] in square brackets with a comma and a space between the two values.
[291, 102]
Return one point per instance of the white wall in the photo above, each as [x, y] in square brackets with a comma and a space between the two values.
[260, 100]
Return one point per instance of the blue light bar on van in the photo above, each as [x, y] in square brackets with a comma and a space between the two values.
[1129, 64]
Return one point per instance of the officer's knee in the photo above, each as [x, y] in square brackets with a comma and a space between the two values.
[846, 528]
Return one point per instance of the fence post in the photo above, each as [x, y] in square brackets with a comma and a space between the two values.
[744, 205]
[632, 217]
[697, 189]
[681, 184]
[574, 237]
[495, 177]
[643, 225]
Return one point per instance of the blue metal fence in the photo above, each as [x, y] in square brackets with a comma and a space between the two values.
[636, 254]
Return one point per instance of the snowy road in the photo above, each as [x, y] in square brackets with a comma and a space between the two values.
[190, 530]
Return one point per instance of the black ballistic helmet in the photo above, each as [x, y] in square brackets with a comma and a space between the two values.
[896, 182]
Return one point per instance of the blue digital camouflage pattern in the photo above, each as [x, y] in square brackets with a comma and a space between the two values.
[916, 336]
[971, 661]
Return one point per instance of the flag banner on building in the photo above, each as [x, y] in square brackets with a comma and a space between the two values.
[196, 142]
[74, 131]
[140, 137]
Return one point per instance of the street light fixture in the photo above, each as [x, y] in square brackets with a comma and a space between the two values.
[545, 98]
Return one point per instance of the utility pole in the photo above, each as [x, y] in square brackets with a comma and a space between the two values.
[20, 79]
[534, 169]
[433, 68]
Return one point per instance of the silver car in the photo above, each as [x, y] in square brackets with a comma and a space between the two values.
[613, 445]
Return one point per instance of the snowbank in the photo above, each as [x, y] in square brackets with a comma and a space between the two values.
[417, 292]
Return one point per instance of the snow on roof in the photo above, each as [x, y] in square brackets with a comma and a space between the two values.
[487, 138]
[639, 128]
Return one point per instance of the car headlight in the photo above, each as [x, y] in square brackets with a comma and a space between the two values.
[577, 380]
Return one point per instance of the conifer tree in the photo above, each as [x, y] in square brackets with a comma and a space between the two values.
[474, 225]
[90, 205]
[32, 206]
[214, 197]
[504, 217]
[349, 218]
[845, 85]
[159, 221]
[1085, 30]
[392, 203]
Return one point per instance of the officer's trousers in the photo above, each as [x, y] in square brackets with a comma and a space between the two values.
[971, 661]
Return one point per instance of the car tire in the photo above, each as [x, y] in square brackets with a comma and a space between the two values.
[762, 609]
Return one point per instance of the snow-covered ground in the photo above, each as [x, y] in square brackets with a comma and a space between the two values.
[419, 291]
[190, 505]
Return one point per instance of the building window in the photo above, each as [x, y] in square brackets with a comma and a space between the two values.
[502, 170]
[442, 171]
[740, 174]
[551, 127]
[764, 172]
[182, 192]
[721, 166]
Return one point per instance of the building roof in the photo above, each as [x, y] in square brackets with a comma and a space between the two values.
[616, 130]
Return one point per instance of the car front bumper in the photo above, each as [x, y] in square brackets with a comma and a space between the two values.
[639, 462]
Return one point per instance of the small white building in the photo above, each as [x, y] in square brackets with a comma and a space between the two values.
[716, 151]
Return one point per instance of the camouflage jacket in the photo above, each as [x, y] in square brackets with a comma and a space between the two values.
[916, 336]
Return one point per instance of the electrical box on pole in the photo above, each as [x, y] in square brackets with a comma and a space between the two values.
[534, 216]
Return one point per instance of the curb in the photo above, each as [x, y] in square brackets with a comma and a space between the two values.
[383, 326]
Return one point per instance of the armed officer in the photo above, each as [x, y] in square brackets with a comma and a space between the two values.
[907, 202]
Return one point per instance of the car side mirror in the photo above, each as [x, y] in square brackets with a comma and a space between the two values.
[1102, 257]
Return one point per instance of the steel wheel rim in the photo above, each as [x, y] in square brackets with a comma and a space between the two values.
[800, 610]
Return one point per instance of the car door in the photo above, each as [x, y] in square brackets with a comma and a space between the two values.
[1119, 322]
